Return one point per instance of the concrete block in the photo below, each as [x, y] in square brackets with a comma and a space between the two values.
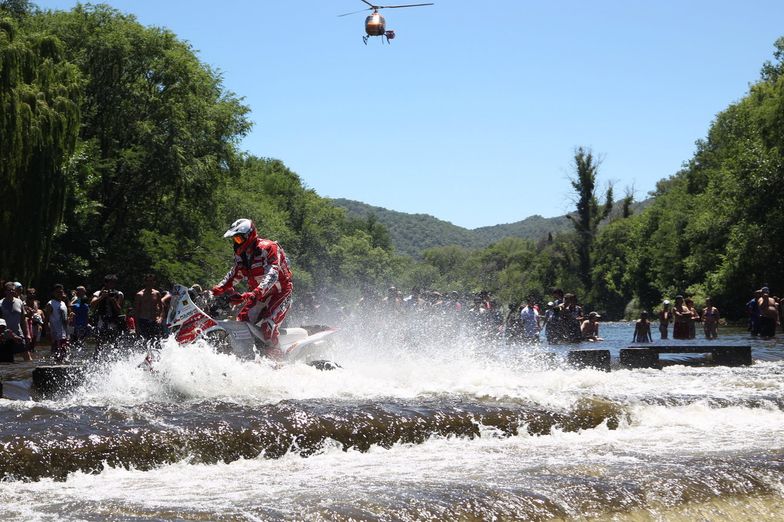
[598, 359]
[49, 381]
[639, 358]
[732, 356]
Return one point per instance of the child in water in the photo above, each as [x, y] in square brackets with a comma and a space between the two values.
[642, 329]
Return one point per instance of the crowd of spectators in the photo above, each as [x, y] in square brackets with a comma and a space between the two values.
[561, 320]
[69, 320]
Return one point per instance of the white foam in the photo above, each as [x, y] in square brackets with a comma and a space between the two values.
[395, 370]
[654, 436]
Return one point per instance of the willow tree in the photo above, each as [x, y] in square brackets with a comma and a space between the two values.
[589, 213]
[39, 124]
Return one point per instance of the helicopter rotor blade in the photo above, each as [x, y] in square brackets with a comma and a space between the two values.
[354, 12]
[397, 6]
[371, 5]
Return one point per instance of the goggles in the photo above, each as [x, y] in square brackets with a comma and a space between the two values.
[238, 239]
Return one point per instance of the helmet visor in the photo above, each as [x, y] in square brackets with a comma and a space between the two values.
[238, 239]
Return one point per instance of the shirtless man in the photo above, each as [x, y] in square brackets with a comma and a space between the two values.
[590, 328]
[148, 309]
[769, 314]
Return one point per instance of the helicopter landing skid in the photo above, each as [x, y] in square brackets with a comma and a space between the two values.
[389, 35]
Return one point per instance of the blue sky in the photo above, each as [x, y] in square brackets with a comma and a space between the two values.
[473, 113]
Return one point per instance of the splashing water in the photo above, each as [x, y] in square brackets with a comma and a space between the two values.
[420, 422]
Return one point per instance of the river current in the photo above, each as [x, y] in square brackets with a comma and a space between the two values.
[422, 423]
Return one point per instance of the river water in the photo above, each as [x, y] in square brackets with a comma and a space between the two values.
[419, 424]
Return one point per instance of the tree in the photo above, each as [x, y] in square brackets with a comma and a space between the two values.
[158, 138]
[611, 290]
[589, 214]
[39, 124]
[16, 9]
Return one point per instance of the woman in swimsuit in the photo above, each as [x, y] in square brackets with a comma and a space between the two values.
[710, 320]
[642, 329]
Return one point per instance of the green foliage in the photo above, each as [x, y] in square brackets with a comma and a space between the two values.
[611, 282]
[158, 138]
[17, 9]
[412, 234]
[589, 215]
[39, 121]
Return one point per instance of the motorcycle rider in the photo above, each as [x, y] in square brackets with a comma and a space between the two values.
[262, 262]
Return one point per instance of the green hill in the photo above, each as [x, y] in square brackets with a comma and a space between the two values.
[413, 233]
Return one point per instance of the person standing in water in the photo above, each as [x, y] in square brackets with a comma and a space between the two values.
[57, 315]
[682, 317]
[148, 310]
[710, 320]
[695, 317]
[665, 317]
[769, 314]
[642, 329]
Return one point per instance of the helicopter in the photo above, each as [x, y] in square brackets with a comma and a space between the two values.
[375, 25]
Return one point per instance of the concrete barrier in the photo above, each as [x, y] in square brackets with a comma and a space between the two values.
[49, 381]
[648, 356]
[639, 358]
[598, 359]
[731, 355]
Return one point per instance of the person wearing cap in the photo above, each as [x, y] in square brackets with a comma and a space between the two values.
[753, 311]
[590, 328]
[12, 309]
[769, 314]
[665, 316]
[553, 323]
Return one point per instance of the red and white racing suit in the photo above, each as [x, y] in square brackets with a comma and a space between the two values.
[266, 268]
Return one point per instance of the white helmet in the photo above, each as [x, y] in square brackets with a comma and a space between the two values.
[243, 232]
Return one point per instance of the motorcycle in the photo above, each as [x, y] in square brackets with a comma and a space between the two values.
[187, 322]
